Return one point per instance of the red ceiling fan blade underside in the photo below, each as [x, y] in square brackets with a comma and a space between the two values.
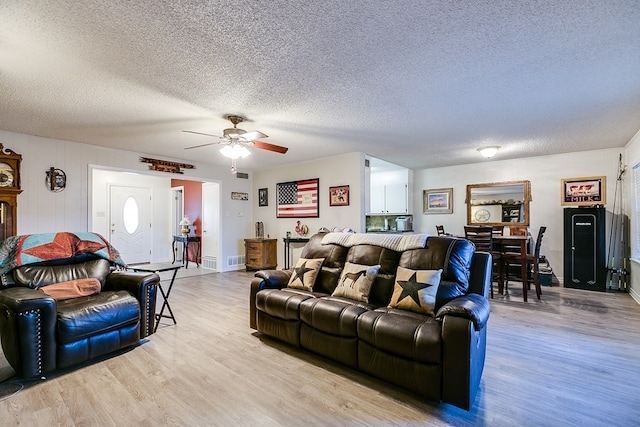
[270, 147]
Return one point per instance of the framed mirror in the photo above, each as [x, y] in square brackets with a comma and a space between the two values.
[499, 203]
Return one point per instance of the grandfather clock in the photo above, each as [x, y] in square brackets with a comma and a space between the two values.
[9, 190]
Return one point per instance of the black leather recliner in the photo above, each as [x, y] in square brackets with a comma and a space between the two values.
[40, 334]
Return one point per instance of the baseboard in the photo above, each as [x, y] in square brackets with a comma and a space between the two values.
[634, 295]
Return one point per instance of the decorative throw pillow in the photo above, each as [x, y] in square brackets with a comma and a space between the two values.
[305, 273]
[72, 289]
[415, 290]
[355, 281]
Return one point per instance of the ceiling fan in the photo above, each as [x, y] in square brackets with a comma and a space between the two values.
[235, 141]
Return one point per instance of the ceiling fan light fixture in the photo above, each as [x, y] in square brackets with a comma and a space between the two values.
[489, 152]
[233, 133]
[235, 151]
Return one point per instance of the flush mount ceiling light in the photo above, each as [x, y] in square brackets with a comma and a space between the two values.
[489, 152]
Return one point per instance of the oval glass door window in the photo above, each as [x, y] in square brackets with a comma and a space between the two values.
[130, 215]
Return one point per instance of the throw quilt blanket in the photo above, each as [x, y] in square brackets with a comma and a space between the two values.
[30, 248]
[395, 242]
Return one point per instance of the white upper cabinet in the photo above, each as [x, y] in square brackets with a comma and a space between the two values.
[389, 192]
[396, 198]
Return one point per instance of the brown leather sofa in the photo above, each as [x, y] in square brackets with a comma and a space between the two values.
[41, 334]
[439, 357]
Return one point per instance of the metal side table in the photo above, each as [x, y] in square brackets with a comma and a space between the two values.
[159, 268]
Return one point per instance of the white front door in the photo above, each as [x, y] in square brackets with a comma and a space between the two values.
[130, 222]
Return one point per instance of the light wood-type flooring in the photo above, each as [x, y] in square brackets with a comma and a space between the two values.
[571, 359]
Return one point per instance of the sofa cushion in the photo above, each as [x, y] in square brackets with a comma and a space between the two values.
[453, 256]
[305, 273]
[334, 259]
[281, 304]
[84, 317]
[72, 289]
[355, 281]
[335, 316]
[387, 259]
[416, 290]
[402, 333]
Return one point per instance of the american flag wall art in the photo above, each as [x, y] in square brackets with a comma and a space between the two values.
[298, 199]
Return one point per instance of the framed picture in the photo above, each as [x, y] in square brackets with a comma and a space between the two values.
[263, 197]
[239, 196]
[339, 196]
[583, 191]
[298, 199]
[437, 201]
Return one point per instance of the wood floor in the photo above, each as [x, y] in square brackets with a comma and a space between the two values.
[571, 359]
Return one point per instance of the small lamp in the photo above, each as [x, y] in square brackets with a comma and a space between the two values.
[489, 152]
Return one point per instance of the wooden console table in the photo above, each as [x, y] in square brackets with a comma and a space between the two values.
[287, 248]
[185, 240]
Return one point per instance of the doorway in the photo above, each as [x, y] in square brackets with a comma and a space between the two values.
[177, 213]
[210, 225]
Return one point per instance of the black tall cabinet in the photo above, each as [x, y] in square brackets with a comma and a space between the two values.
[584, 248]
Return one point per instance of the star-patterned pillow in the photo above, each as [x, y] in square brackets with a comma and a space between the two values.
[415, 290]
[355, 281]
[305, 273]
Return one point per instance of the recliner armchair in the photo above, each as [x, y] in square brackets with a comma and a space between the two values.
[40, 334]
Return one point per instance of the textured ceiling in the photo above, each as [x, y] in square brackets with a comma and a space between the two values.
[417, 83]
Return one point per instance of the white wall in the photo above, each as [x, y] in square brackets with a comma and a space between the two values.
[632, 159]
[347, 169]
[544, 172]
[40, 210]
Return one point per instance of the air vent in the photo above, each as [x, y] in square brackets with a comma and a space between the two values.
[235, 261]
[242, 175]
[210, 263]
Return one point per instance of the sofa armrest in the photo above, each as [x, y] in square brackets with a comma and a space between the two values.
[464, 343]
[274, 279]
[265, 279]
[471, 306]
[27, 327]
[143, 286]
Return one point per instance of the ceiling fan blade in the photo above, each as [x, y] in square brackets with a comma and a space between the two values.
[202, 145]
[200, 133]
[253, 135]
[270, 147]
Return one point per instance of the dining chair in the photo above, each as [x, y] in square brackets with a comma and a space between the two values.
[482, 237]
[533, 264]
[440, 230]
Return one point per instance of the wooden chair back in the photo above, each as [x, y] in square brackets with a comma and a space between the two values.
[440, 230]
[536, 251]
[481, 236]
